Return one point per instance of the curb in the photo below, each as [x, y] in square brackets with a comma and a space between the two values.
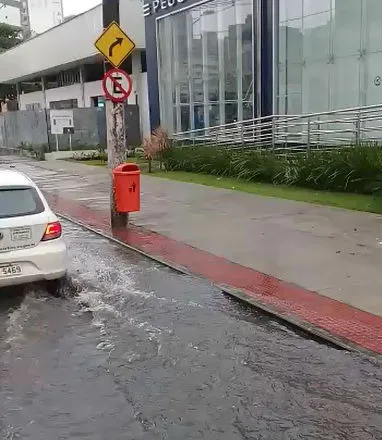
[302, 325]
[103, 234]
[240, 295]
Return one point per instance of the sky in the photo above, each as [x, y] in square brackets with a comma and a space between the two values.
[77, 6]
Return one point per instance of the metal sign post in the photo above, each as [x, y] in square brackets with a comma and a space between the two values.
[115, 46]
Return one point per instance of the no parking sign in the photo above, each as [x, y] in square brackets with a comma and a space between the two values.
[116, 85]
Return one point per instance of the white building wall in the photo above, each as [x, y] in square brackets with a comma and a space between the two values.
[10, 16]
[92, 89]
[26, 99]
[64, 93]
[143, 102]
[45, 14]
[59, 94]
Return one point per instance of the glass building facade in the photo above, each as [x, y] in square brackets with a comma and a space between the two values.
[205, 65]
[329, 55]
[220, 61]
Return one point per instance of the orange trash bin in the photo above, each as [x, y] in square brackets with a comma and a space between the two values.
[126, 186]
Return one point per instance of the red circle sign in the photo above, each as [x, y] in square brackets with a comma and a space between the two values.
[116, 85]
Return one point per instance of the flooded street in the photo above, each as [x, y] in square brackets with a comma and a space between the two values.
[136, 351]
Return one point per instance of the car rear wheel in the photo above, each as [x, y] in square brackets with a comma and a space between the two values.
[56, 287]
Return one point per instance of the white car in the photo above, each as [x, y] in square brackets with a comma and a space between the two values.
[31, 244]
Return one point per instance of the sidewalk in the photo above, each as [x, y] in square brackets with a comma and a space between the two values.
[333, 252]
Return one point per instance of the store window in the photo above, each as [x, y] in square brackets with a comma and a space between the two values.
[330, 55]
[205, 59]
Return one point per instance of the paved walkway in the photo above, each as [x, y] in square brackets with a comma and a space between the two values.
[334, 252]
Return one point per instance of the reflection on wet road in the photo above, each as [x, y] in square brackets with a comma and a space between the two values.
[141, 352]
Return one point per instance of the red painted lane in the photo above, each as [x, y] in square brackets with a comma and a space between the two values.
[338, 319]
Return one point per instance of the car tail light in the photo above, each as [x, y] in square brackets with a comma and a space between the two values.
[52, 231]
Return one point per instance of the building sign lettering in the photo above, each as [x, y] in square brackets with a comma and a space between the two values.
[159, 5]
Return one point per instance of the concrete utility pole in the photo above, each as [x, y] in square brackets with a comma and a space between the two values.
[115, 123]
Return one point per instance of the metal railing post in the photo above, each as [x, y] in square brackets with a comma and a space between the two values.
[273, 133]
[308, 140]
[318, 131]
[358, 129]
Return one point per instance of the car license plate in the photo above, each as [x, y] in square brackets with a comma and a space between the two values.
[21, 234]
[9, 271]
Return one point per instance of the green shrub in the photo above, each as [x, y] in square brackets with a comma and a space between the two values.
[36, 151]
[90, 155]
[207, 160]
[354, 169]
[256, 166]
[350, 169]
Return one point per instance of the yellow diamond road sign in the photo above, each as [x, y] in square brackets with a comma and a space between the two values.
[114, 44]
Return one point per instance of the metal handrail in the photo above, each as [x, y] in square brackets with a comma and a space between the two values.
[325, 129]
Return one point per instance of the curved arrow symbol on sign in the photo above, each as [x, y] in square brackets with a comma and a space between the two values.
[118, 41]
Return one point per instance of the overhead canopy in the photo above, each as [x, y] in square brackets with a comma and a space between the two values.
[68, 44]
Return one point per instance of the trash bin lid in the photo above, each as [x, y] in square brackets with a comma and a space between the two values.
[126, 168]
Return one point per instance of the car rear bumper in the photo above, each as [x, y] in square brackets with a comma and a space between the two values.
[47, 261]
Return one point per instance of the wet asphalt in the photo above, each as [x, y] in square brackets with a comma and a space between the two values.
[135, 351]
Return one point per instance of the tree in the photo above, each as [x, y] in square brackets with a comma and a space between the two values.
[10, 36]
[7, 91]
[155, 145]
